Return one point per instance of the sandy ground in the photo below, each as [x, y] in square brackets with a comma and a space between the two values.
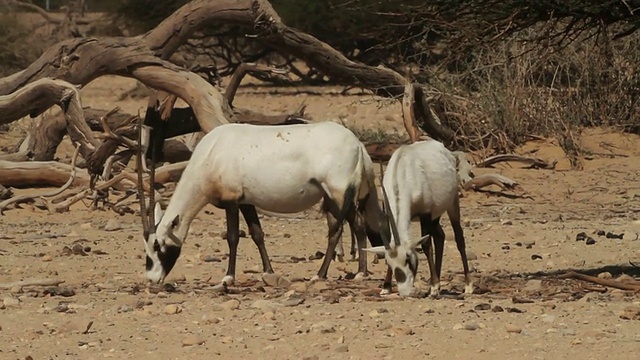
[114, 315]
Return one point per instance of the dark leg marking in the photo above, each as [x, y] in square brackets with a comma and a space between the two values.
[255, 229]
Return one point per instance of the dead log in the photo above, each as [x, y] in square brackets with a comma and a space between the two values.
[604, 282]
[79, 61]
[485, 180]
[534, 163]
[39, 173]
[23, 198]
[31, 282]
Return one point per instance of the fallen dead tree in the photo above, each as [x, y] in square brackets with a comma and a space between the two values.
[76, 62]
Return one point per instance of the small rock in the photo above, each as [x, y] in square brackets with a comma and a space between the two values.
[529, 243]
[63, 291]
[322, 327]
[547, 318]
[536, 257]
[47, 258]
[513, 329]
[497, 309]
[210, 258]
[605, 275]
[210, 318]
[341, 348]
[471, 256]
[16, 289]
[590, 241]
[172, 309]
[271, 279]
[533, 285]
[10, 301]
[192, 340]
[611, 235]
[471, 326]
[232, 304]
[299, 287]
[265, 305]
[582, 236]
[317, 256]
[482, 307]
[401, 330]
[507, 222]
[292, 301]
[112, 225]
[458, 327]
[269, 316]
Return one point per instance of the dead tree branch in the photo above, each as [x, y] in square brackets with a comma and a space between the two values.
[24, 198]
[534, 163]
[599, 281]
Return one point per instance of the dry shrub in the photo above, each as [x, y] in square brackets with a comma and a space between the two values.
[514, 91]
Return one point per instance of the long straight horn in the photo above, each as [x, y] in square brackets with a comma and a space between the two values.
[152, 182]
[388, 212]
[143, 206]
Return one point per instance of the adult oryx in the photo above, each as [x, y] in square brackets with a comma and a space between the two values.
[284, 169]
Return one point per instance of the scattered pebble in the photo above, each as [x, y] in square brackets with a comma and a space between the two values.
[276, 280]
[513, 329]
[10, 301]
[322, 327]
[590, 241]
[605, 275]
[112, 225]
[232, 304]
[192, 340]
[547, 318]
[533, 285]
[172, 309]
[341, 348]
[471, 326]
[482, 307]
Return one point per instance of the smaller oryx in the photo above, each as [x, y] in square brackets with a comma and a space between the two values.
[283, 169]
[421, 180]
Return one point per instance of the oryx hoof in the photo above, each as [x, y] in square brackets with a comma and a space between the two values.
[385, 292]
[360, 276]
[228, 280]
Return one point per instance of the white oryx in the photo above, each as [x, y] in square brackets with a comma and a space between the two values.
[283, 169]
[420, 180]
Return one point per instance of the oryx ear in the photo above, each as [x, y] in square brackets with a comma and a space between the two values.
[379, 250]
[420, 241]
[157, 210]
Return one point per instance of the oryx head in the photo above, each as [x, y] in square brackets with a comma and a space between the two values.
[162, 248]
[400, 254]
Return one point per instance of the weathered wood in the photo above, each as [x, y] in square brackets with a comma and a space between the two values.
[531, 161]
[485, 180]
[39, 173]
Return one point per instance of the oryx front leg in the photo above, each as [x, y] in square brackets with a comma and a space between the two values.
[233, 238]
